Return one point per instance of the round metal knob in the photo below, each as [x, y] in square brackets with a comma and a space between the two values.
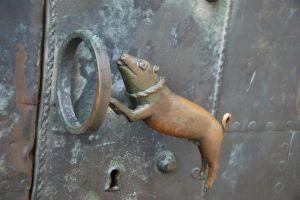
[103, 86]
[166, 161]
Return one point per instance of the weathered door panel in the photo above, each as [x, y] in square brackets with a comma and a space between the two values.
[262, 70]
[21, 29]
[171, 34]
[226, 56]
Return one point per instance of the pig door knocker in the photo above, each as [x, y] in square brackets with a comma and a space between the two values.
[154, 102]
[170, 114]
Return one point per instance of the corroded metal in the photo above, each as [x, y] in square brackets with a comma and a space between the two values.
[65, 66]
[21, 31]
[207, 53]
[169, 28]
[170, 114]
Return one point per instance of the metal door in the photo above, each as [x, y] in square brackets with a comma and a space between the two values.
[228, 56]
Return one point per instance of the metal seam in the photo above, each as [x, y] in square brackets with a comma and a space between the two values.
[220, 65]
[43, 131]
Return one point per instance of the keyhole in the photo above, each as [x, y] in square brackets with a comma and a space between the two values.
[113, 180]
[114, 176]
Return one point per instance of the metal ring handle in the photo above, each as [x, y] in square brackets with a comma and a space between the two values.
[103, 86]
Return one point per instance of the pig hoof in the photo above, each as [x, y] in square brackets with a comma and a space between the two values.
[206, 188]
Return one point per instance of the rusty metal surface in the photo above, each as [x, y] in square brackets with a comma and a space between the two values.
[173, 34]
[262, 70]
[21, 26]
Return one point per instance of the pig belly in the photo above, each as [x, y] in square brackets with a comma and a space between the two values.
[182, 118]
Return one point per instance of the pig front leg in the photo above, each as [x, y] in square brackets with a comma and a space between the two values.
[139, 113]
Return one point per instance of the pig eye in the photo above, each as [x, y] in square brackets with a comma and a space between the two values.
[142, 64]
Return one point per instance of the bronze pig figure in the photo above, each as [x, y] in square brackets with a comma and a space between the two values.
[170, 114]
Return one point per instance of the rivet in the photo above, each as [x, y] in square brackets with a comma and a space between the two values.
[252, 125]
[282, 165]
[196, 173]
[270, 126]
[278, 187]
[235, 126]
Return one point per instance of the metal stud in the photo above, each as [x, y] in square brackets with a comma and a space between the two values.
[166, 162]
[252, 125]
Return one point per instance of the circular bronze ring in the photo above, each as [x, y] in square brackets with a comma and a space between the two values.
[65, 62]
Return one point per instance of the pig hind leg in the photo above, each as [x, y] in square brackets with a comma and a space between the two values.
[210, 151]
[203, 166]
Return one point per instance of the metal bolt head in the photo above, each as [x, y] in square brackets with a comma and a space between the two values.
[278, 187]
[282, 165]
[252, 125]
[166, 162]
[196, 173]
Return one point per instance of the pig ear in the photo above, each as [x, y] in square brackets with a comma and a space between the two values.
[155, 68]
